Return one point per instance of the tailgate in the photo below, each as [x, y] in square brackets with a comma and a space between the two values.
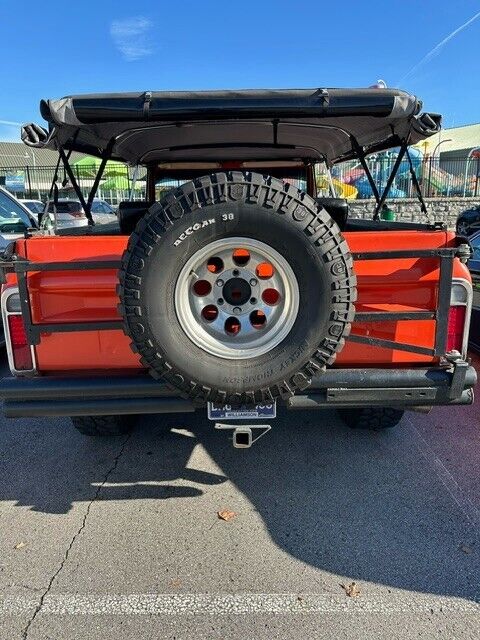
[401, 311]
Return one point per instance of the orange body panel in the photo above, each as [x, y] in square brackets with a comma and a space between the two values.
[383, 285]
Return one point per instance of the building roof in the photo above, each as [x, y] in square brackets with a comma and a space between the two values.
[459, 139]
[17, 154]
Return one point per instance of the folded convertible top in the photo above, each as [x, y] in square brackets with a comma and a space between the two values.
[307, 124]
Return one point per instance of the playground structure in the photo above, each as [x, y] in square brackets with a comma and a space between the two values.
[342, 189]
[350, 181]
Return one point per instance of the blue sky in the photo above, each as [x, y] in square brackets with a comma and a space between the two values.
[57, 48]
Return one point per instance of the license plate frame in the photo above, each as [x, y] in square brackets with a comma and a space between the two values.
[226, 412]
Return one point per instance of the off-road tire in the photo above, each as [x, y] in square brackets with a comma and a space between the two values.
[372, 418]
[237, 204]
[102, 425]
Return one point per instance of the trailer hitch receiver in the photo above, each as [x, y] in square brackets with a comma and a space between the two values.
[244, 434]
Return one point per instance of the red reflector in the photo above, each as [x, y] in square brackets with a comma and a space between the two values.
[22, 355]
[456, 327]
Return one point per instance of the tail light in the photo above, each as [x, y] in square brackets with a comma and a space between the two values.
[459, 317]
[456, 328]
[20, 353]
[77, 214]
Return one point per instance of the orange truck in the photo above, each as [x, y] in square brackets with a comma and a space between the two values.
[233, 288]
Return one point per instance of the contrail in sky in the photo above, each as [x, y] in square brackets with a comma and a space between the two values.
[9, 123]
[437, 48]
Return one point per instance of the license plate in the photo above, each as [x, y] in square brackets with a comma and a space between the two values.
[226, 412]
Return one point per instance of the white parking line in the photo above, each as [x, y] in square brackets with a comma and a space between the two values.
[236, 604]
[469, 510]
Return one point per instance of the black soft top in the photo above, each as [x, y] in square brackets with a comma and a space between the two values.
[307, 124]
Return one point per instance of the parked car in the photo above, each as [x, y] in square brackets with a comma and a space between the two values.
[103, 212]
[63, 214]
[238, 291]
[35, 206]
[474, 266]
[70, 213]
[15, 218]
[468, 222]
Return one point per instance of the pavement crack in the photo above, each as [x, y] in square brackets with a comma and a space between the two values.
[83, 524]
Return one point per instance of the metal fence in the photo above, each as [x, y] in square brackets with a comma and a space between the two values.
[452, 177]
[34, 183]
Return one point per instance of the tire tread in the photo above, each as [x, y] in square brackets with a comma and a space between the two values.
[280, 199]
[372, 418]
[102, 425]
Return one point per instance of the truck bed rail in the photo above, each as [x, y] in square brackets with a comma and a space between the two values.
[445, 255]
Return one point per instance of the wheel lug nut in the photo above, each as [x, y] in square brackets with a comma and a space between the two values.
[253, 301]
[220, 301]
[253, 282]
[219, 283]
[237, 310]
[236, 272]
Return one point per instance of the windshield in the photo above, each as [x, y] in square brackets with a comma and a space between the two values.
[34, 206]
[12, 215]
[99, 206]
[65, 207]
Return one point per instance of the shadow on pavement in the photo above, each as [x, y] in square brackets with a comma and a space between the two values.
[49, 467]
[364, 505]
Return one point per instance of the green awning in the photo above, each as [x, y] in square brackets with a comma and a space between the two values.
[87, 167]
[121, 183]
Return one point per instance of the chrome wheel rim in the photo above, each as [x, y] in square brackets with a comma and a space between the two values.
[237, 298]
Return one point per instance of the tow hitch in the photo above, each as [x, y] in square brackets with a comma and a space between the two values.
[244, 434]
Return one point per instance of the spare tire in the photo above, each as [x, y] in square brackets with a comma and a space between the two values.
[237, 288]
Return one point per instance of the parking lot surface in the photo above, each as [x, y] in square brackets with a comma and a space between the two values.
[120, 538]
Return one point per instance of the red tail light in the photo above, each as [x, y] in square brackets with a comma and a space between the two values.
[22, 355]
[77, 214]
[456, 328]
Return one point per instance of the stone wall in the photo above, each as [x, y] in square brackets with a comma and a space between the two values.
[408, 209]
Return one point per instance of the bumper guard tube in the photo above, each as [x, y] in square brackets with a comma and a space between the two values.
[404, 388]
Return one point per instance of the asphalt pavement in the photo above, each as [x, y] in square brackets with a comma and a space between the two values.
[120, 538]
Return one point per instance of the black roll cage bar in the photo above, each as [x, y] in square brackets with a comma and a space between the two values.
[86, 204]
[380, 199]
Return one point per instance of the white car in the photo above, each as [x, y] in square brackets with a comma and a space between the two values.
[102, 212]
[15, 218]
[69, 213]
[64, 214]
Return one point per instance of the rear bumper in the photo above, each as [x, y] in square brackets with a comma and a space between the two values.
[403, 388]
